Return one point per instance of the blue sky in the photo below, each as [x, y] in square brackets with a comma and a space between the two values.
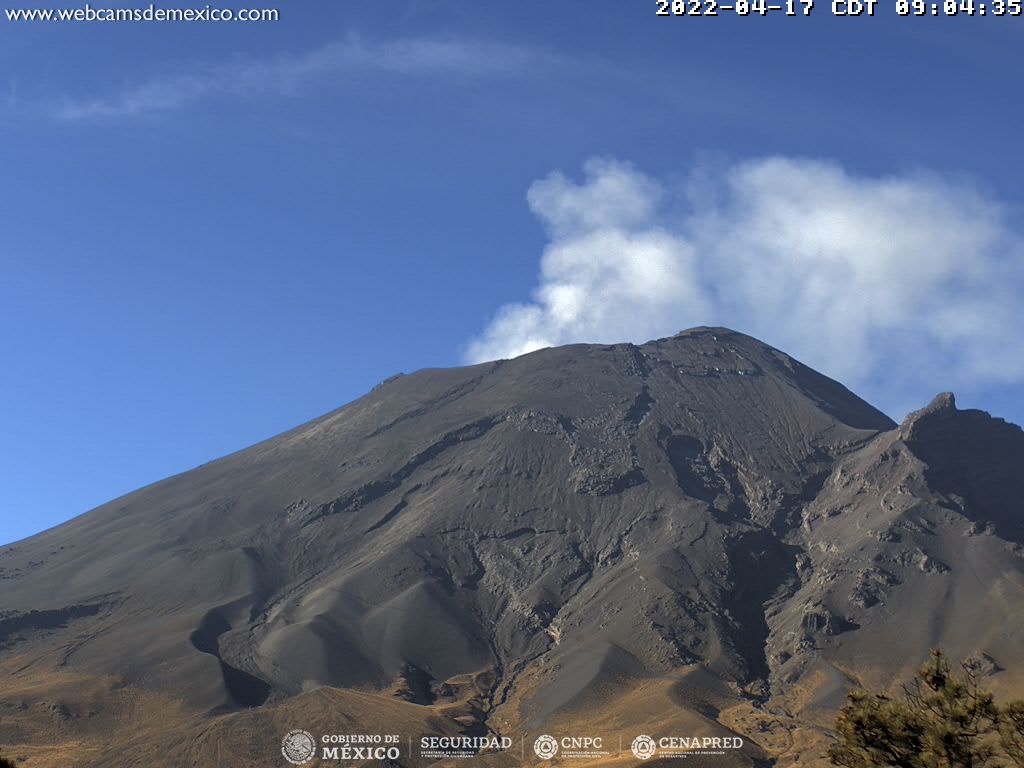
[213, 232]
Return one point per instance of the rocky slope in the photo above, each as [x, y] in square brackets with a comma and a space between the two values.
[698, 534]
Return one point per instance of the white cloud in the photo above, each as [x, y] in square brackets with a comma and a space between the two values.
[284, 74]
[895, 285]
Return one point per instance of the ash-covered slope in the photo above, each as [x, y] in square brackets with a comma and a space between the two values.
[913, 542]
[548, 527]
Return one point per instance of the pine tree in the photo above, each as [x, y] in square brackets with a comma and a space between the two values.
[1011, 732]
[944, 720]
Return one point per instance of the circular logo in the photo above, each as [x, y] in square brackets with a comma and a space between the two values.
[643, 747]
[546, 747]
[298, 747]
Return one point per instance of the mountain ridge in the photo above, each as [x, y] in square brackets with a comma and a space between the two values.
[700, 519]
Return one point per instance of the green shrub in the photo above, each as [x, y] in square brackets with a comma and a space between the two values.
[943, 720]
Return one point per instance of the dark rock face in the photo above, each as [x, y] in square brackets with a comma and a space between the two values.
[569, 517]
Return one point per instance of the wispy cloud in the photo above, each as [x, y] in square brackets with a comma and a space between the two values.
[415, 57]
[895, 285]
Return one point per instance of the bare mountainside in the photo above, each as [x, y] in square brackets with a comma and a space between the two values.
[698, 535]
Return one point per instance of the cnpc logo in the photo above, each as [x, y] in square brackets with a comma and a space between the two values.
[546, 747]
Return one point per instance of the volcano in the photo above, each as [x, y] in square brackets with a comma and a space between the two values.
[694, 537]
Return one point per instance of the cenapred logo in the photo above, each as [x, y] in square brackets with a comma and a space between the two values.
[545, 747]
[298, 747]
[643, 747]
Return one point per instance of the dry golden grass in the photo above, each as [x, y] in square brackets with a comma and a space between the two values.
[55, 718]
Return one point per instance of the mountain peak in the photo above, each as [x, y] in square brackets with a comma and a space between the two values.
[942, 405]
[714, 330]
[552, 529]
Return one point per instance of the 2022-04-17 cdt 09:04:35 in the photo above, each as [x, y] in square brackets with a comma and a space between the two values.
[841, 8]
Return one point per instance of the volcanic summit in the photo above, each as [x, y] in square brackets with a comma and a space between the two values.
[697, 535]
